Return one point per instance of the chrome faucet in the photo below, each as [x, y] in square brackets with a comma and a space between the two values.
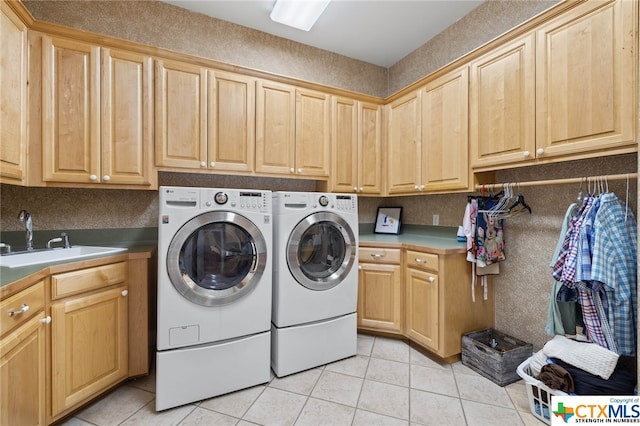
[63, 237]
[25, 216]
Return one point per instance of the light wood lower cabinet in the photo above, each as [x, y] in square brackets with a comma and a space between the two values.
[75, 330]
[422, 307]
[22, 358]
[89, 338]
[380, 290]
[428, 300]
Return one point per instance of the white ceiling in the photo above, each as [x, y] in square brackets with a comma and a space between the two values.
[380, 32]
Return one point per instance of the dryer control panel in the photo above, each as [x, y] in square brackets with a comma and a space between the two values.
[248, 200]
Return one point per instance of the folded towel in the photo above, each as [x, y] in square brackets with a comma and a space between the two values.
[589, 357]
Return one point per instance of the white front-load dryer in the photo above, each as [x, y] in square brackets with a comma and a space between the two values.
[214, 292]
[315, 280]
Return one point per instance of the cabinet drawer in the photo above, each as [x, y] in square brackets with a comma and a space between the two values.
[378, 255]
[23, 305]
[416, 259]
[70, 283]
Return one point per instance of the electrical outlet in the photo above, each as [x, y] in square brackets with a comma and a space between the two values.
[436, 219]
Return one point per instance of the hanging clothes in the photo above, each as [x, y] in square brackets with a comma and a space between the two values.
[562, 314]
[489, 236]
[614, 264]
[597, 262]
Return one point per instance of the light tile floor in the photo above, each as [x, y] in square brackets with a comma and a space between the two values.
[387, 383]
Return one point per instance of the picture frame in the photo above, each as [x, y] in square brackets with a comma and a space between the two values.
[388, 220]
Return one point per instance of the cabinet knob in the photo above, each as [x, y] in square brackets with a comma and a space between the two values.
[526, 154]
[20, 311]
[421, 187]
[431, 279]
[124, 292]
[378, 255]
[292, 170]
[46, 320]
[212, 164]
[361, 189]
[106, 178]
[360, 267]
[539, 151]
[419, 260]
[299, 171]
[355, 189]
[415, 187]
[203, 164]
[93, 178]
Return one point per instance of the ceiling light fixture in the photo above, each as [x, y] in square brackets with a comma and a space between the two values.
[300, 14]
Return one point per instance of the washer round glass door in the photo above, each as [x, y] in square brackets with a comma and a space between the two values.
[321, 251]
[216, 258]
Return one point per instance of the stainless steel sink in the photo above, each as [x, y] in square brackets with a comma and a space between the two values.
[37, 257]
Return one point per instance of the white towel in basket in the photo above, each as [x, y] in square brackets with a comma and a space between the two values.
[589, 357]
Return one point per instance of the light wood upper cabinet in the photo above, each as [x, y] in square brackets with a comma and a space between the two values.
[205, 118]
[586, 82]
[293, 132]
[445, 136]
[127, 118]
[181, 115]
[275, 127]
[404, 147]
[70, 111]
[370, 165]
[313, 133]
[13, 86]
[356, 147]
[428, 141]
[97, 114]
[231, 125]
[502, 105]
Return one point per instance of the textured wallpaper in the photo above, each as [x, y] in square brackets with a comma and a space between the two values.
[522, 289]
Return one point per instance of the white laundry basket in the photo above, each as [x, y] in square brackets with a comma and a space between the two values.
[539, 394]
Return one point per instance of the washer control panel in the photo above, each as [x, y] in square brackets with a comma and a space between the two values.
[347, 203]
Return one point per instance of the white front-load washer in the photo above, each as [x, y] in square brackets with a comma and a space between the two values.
[214, 292]
[315, 280]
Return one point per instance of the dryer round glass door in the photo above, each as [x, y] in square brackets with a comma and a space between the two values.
[216, 258]
[321, 251]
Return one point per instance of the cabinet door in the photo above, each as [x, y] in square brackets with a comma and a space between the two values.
[502, 105]
[369, 149]
[344, 143]
[445, 136]
[127, 118]
[231, 129]
[585, 69]
[404, 144]
[13, 86]
[313, 133]
[22, 375]
[88, 346]
[181, 115]
[70, 111]
[380, 297]
[422, 308]
[275, 127]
